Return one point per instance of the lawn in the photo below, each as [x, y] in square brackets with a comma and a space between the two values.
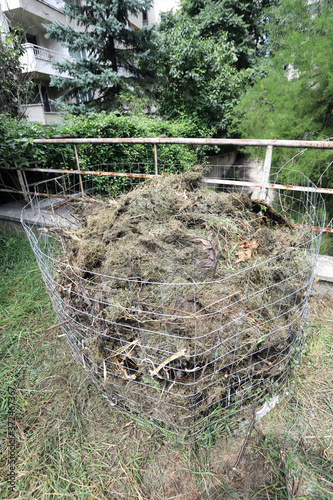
[70, 444]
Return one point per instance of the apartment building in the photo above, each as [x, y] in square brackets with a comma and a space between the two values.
[40, 52]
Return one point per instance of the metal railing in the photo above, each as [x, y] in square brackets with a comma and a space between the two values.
[264, 184]
[46, 54]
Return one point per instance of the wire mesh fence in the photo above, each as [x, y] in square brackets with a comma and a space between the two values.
[190, 355]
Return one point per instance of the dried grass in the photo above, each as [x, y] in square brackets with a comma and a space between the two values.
[184, 298]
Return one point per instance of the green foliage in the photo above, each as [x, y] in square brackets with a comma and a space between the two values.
[16, 147]
[109, 55]
[113, 125]
[14, 86]
[136, 158]
[242, 22]
[12, 150]
[199, 77]
[295, 98]
[205, 53]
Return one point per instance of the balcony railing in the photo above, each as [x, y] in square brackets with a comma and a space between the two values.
[46, 54]
[37, 59]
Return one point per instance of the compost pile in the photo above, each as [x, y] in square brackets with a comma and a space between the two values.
[184, 299]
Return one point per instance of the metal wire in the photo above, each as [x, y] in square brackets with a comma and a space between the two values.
[150, 372]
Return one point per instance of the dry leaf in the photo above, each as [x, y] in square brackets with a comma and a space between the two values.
[213, 251]
[246, 250]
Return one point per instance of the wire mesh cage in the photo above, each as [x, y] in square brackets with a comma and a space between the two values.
[186, 355]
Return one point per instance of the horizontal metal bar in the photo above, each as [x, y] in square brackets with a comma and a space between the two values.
[85, 172]
[183, 140]
[301, 188]
[325, 229]
[227, 182]
[207, 180]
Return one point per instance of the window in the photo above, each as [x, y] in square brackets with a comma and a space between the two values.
[41, 96]
[145, 18]
[31, 38]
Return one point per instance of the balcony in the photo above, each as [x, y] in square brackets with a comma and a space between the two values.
[28, 13]
[39, 8]
[38, 60]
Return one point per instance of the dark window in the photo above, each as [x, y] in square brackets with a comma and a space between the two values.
[45, 99]
[41, 96]
[31, 38]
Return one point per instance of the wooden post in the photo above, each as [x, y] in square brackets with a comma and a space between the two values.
[79, 169]
[266, 172]
[23, 183]
[155, 158]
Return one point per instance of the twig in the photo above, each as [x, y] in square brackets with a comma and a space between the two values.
[177, 355]
[56, 325]
[247, 434]
[128, 347]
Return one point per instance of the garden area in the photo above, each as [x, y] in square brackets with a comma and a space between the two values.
[169, 301]
[71, 444]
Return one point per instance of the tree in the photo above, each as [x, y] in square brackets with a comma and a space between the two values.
[110, 55]
[205, 54]
[14, 85]
[295, 98]
[242, 21]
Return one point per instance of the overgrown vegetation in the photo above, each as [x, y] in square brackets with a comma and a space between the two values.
[17, 148]
[14, 83]
[71, 444]
[294, 98]
[205, 52]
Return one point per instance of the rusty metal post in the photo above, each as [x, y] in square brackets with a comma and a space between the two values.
[155, 159]
[79, 169]
[266, 172]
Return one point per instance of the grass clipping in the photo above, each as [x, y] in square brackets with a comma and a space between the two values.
[185, 300]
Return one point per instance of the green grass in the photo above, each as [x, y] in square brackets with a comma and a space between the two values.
[72, 445]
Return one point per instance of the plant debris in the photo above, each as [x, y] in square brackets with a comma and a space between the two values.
[185, 302]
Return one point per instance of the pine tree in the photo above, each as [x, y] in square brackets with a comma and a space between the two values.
[294, 99]
[110, 54]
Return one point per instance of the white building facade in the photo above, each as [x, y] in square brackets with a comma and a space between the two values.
[41, 52]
